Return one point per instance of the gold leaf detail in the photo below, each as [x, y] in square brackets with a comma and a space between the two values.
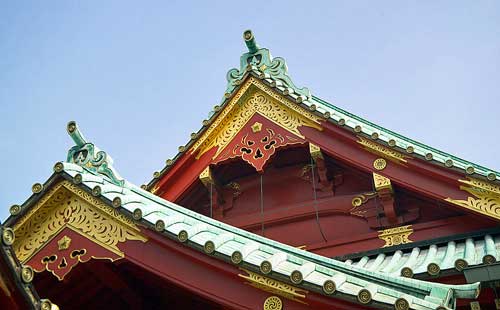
[254, 97]
[67, 205]
[274, 287]
[382, 151]
[396, 236]
[486, 198]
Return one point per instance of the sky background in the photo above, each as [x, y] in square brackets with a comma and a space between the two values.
[139, 77]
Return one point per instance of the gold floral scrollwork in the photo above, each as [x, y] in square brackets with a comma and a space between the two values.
[396, 236]
[382, 151]
[485, 200]
[381, 182]
[67, 205]
[254, 97]
[274, 286]
[273, 303]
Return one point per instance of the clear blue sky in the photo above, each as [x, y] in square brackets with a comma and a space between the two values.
[139, 77]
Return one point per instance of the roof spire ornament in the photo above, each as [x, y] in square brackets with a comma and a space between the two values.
[259, 61]
[90, 157]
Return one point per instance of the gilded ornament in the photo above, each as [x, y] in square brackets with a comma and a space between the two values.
[429, 156]
[489, 259]
[160, 225]
[364, 296]
[273, 303]
[37, 188]
[391, 142]
[45, 304]
[256, 127]
[58, 167]
[182, 148]
[407, 272]
[381, 150]
[470, 170]
[63, 243]
[485, 200]
[312, 107]
[315, 151]
[117, 202]
[461, 264]
[67, 205]
[448, 163]
[236, 257]
[78, 178]
[492, 176]
[396, 236]
[296, 277]
[15, 209]
[381, 182]
[266, 267]
[27, 274]
[206, 177]
[274, 286]
[401, 304]
[8, 236]
[475, 305]
[326, 115]
[137, 214]
[96, 191]
[254, 97]
[156, 174]
[169, 162]
[379, 164]
[433, 269]
[361, 199]
[374, 136]
[410, 149]
[341, 122]
[357, 129]
[329, 287]
[209, 247]
[182, 236]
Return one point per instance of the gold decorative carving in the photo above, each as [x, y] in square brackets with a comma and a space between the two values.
[206, 176]
[486, 198]
[63, 243]
[381, 182]
[253, 97]
[273, 303]
[67, 205]
[256, 127]
[315, 151]
[382, 151]
[396, 236]
[274, 287]
[361, 199]
[474, 305]
[379, 164]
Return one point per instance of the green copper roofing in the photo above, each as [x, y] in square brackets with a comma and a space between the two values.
[271, 258]
[433, 259]
[259, 63]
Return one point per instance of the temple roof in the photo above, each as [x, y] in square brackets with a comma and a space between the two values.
[241, 248]
[433, 259]
[259, 63]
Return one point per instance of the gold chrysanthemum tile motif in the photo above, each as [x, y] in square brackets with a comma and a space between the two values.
[253, 97]
[485, 200]
[67, 205]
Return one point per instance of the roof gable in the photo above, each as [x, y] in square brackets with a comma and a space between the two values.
[241, 248]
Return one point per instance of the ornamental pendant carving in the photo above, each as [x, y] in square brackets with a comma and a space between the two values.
[68, 226]
[485, 200]
[257, 142]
